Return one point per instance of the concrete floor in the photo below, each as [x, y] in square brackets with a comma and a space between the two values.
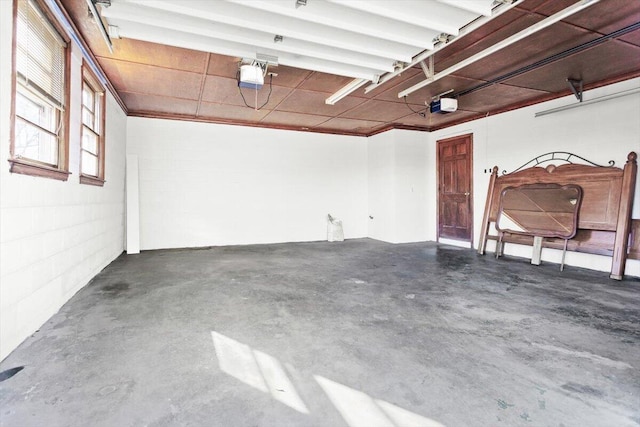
[358, 333]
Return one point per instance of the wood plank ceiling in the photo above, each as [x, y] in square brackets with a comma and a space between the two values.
[179, 58]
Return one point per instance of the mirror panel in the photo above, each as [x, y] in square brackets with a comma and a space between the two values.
[545, 210]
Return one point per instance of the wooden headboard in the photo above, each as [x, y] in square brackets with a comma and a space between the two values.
[604, 218]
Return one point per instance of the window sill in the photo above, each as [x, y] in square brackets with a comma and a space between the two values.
[24, 167]
[91, 180]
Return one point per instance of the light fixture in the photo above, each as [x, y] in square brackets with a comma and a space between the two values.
[346, 90]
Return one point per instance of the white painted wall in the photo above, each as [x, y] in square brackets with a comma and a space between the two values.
[412, 186]
[54, 236]
[398, 186]
[205, 184]
[600, 132]
[381, 187]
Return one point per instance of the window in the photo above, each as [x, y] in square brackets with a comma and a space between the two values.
[92, 134]
[39, 143]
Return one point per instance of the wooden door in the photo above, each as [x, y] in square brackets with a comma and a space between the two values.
[455, 201]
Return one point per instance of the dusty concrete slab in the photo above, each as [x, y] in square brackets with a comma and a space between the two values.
[357, 333]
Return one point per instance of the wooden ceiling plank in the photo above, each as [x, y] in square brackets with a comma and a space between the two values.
[598, 63]
[129, 76]
[294, 119]
[140, 103]
[305, 101]
[221, 90]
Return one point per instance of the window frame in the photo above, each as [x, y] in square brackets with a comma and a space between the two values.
[34, 167]
[90, 79]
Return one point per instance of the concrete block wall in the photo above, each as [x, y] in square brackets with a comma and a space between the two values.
[398, 186]
[204, 184]
[54, 236]
[381, 181]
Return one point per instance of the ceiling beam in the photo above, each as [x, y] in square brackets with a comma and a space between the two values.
[132, 14]
[344, 37]
[435, 16]
[207, 44]
[371, 33]
[571, 10]
[477, 7]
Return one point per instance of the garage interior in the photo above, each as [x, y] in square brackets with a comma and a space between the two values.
[191, 281]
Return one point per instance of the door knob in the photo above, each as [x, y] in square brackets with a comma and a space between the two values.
[466, 194]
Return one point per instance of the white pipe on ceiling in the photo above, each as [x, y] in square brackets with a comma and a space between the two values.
[346, 90]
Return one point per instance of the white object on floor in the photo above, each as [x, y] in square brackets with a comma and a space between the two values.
[335, 232]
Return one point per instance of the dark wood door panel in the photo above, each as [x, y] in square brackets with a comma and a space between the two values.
[455, 219]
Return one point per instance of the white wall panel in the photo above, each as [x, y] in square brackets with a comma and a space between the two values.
[399, 186]
[133, 205]
[412, 185]
[207, 184]
[382, 188]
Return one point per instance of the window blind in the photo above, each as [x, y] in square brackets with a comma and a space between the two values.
[40, 54]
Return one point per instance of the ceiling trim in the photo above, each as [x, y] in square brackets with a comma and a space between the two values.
[179, 117]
